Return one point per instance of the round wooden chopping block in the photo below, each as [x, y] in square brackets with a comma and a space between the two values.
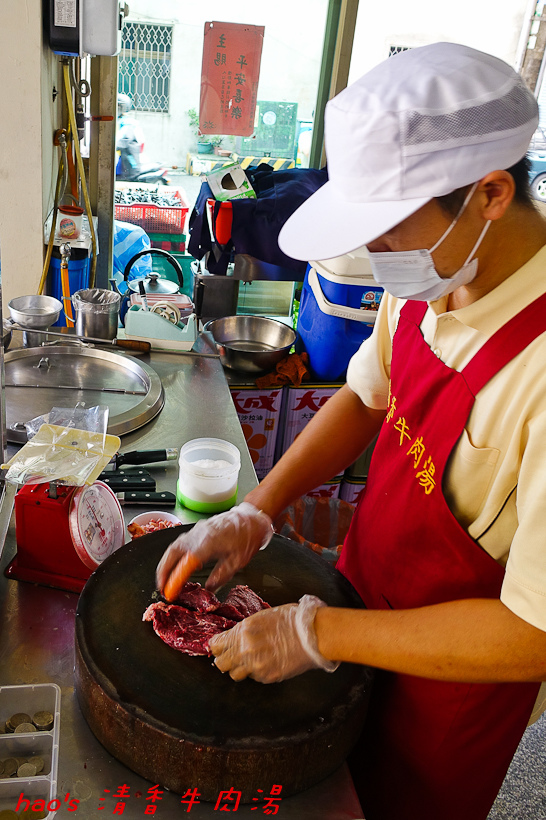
[175, 719]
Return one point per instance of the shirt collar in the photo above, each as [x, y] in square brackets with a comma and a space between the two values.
[497, 307]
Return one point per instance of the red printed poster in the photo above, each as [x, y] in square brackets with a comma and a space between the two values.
[229, 78]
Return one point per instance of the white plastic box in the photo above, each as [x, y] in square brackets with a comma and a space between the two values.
[31, 699]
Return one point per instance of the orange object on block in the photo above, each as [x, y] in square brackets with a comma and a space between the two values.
[181, 573]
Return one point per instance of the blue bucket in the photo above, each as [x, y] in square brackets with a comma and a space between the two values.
[329, 339]
[78, 279]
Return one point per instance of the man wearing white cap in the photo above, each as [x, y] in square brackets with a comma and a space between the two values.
[446, 548]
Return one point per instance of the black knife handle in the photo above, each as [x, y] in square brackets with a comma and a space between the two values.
[150, 499]
[142, 457]
[129, 480]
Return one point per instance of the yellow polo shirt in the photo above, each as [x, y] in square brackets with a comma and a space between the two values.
[495, 481]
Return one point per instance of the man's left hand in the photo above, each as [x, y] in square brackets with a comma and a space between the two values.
[272, 645]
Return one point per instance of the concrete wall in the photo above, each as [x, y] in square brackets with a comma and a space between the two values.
[27, 113]
[492, 27]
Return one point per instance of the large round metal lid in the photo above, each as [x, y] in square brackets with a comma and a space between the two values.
[40, 378]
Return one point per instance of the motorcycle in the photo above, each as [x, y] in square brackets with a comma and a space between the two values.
[128, 171]
[131, 165]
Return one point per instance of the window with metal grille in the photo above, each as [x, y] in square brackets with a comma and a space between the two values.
[397, 49]
[145, 65]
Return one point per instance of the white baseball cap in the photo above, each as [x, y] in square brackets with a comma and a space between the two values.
[419, 125]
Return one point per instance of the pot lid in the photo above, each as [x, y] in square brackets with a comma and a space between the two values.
[131, 388]
[153, 284]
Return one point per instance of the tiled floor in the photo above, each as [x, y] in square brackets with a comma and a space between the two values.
[523, 794]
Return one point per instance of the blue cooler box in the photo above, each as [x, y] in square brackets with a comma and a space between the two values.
[336, 314]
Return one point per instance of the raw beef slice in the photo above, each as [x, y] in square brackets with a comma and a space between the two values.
[189, 624]
[194, 596]
[240, 602]
[189, 632]
[245, 600]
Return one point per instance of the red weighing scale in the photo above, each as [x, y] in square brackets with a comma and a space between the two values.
[64, 533]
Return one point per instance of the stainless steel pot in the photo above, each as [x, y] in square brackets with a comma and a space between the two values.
[251, 344]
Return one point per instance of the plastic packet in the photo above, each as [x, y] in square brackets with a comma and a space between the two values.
[320, 524]
[93, 419]
[63, 452]
[96, 300]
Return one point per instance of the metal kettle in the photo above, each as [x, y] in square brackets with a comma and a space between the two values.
[153, 283]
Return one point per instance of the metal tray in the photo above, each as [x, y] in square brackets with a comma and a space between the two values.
[30, 698]
[38, 379]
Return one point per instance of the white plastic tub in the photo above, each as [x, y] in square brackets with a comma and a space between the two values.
[208, 475]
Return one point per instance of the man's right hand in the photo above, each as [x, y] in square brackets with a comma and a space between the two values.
[231, 538]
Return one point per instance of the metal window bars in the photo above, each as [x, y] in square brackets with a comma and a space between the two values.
[145, 65]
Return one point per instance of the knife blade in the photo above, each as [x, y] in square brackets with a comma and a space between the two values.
[149, 499]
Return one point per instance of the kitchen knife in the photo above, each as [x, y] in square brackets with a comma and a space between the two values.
[149, 499]
[142, 457]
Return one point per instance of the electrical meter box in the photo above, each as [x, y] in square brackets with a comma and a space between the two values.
[78, 27]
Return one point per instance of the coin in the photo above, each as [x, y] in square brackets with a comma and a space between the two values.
[25, 727]
[38, 762]
[43, 721]
[10, 767]
[21, 760]
[31, 815]
[16, 719]
[8, 814]
[26, 770]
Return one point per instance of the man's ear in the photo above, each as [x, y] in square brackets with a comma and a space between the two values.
[497, 191]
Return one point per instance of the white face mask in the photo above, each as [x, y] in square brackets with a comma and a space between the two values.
[412, 275]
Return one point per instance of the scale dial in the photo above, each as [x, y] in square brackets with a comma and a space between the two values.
[96, 523]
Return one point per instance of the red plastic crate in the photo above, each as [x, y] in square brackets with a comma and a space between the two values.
[155, 218]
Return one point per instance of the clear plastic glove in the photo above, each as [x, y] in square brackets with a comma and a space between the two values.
[232, 538]
[272, 645]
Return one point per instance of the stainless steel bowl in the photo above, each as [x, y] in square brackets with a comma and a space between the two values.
[35, 312]
[251, 344]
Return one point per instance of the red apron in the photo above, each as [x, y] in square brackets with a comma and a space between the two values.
[431, 750]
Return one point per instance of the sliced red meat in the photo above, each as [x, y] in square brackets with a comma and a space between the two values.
[245, 600]
[229, 611]
[186, 631]
[194, 596]
[189, 624]
[240, 602]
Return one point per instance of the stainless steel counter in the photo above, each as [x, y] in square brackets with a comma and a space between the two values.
[37, 623]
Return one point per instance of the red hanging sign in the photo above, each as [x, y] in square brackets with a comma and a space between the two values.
[229, 78]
